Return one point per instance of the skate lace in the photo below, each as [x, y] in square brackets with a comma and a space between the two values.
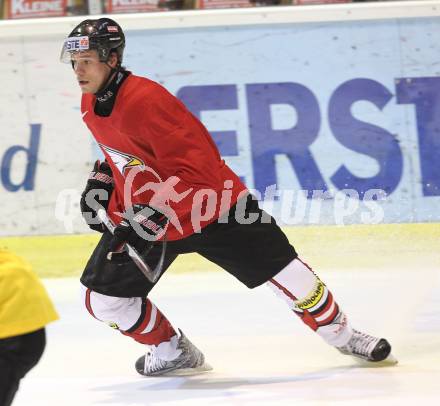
[153, 363]
[361, 343]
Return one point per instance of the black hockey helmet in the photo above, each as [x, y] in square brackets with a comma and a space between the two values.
[104, 35]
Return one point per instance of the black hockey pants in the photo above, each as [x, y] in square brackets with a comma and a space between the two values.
[18, 355]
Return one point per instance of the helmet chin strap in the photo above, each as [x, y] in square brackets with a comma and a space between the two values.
[110, 76]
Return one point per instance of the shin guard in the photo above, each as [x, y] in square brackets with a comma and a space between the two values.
[311, 300]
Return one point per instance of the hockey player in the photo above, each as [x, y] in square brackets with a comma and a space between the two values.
[25, 310]
[162, 170]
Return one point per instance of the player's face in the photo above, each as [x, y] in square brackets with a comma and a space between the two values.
[90, 72]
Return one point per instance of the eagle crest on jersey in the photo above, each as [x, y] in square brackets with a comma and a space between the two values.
[122, 160]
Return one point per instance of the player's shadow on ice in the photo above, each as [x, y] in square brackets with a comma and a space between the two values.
[175, 389]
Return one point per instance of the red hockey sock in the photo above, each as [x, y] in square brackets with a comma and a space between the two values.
[152, 327]
[312, 301]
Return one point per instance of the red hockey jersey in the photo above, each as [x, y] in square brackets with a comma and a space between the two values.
[162, 155]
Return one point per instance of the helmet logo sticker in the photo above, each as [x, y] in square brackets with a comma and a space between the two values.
[76, 44]
[112, 28]
[84, 43]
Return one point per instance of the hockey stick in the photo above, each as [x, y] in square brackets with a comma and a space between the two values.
[151, 274]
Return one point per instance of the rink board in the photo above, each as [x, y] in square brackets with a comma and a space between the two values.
[340, 104]
[386, 247]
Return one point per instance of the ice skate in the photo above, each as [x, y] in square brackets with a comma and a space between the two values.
[367, 348]
[190, 361]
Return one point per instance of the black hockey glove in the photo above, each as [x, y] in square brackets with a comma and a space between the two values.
[96, 195]
[141, 227]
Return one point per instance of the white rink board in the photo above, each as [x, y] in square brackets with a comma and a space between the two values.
[45, 150]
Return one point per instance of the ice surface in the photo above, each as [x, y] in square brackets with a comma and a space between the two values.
[261, 353]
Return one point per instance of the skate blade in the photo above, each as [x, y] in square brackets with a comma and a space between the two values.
[189, 371]
[387, 362]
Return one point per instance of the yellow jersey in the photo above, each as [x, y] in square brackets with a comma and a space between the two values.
[24, 303]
